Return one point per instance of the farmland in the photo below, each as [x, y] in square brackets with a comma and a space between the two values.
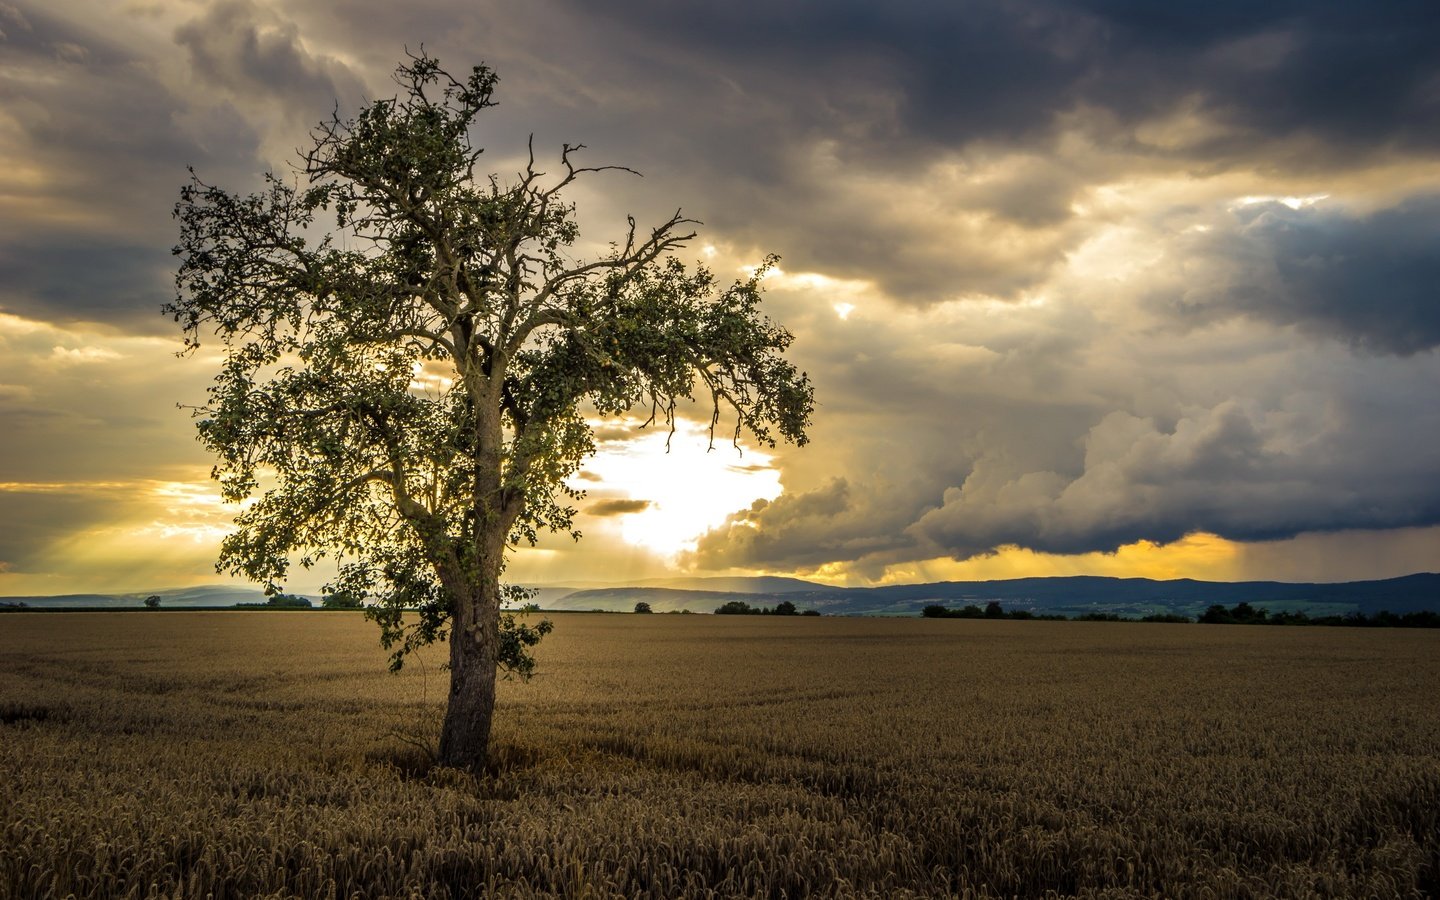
[271, 754]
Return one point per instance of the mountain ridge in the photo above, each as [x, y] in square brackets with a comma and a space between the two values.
[1064, 594]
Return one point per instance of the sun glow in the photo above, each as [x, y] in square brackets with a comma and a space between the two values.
[679, 493]
[1292, 202]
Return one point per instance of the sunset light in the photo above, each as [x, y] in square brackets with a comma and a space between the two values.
[678, 493]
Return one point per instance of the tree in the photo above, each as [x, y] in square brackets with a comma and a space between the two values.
[1246, 614]
[407, 392]
[785, 608]
[735, 608]
[341, 601]
[152, 601]
[642, 607]
[993, 610]
[1217, 614]
[287, 601]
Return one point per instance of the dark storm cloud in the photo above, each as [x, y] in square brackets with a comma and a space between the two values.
[1371, 281]
[63, 277]
[799, 121]
[809, 529]
[953, 71]
[1225, 470]
[1353, 73]
[87, 236]
[905, 417]
[791, 126]
[1356, 77]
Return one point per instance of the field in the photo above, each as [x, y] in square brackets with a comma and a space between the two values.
[270, 754]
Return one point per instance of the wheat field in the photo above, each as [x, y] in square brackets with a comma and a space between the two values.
[269, 754]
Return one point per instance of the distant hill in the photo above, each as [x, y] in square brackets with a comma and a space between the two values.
[211, 595]
[623, 599]
[759, 584]
[1071, 596]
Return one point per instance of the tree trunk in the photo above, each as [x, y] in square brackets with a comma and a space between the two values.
[474, 633]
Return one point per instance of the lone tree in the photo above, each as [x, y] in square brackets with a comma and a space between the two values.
[408, 391]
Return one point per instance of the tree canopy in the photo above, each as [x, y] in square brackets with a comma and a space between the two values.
[413, 353]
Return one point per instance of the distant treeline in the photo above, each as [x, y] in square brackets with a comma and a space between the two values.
[291, 601]
[1240, 614]
[1245, 614]
[992, 610]
[741, 608]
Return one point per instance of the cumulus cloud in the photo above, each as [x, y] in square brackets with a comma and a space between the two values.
[1225, 470]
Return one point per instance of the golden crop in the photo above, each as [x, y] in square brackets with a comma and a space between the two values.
[270, 754]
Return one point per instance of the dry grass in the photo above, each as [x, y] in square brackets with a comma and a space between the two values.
[269, 754]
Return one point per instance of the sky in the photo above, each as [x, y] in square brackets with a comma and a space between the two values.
[1107, 287]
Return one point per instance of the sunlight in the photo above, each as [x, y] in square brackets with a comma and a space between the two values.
[1292, 202]
[689, 489]
[191, 511]
[1199, 555]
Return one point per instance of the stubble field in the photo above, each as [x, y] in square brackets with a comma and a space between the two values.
[270, 754]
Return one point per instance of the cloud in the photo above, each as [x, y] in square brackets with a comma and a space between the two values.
[257, 58]
[1223, 470]
[129, 535]
[1107, 413]
[617, 507]
[82, 355]
[34, 520]
[84, 403]
[806, 530]
[941, 150]
[93, 148]
[1372, 281]
[12, 18]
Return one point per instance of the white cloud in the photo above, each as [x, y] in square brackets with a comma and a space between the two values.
[83, 355]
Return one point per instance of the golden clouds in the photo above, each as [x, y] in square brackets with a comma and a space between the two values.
[120, 535]
[1199, 556]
